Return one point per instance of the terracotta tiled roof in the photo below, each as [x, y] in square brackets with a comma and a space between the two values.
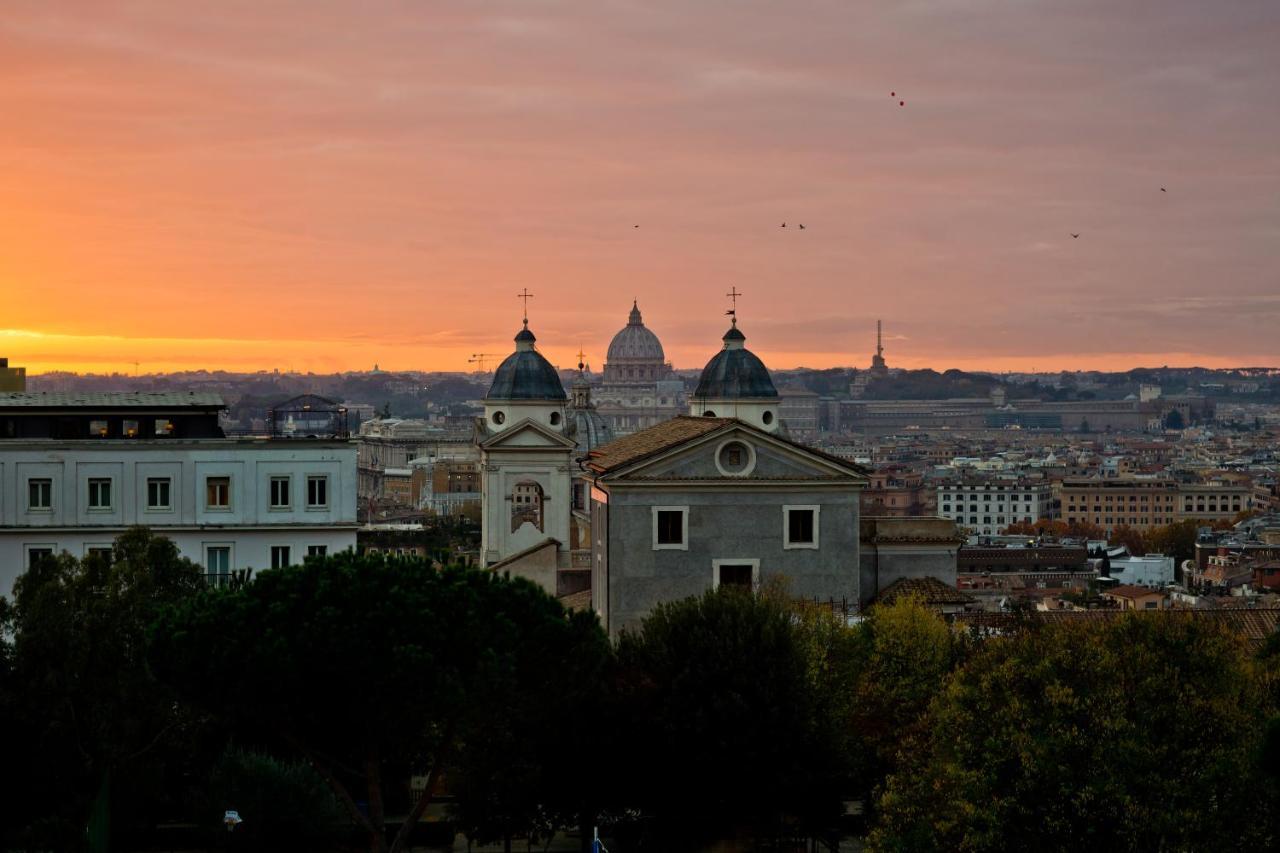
[580, 600]
[677, 431]
[1131, 591]
[781, 478]
[549, 542]
[110, 400]
[654, 439]
[1253, 624]
[928, 589]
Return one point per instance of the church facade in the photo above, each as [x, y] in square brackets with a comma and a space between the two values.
[717, 496]
[720, 497]
[535, 522]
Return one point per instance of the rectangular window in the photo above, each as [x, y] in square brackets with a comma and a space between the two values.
[317, 550]
[801, 527]
[279, 556]
[98, 429]
[99, 551]
[217, 565]
[670, 527]
[217, 492]
[35, 555]
[279, 492]
[738, 576]
[317, 491]
[738, 572]
[129, 429]
[99, 493]
[164, 427]
[158, 493]
[40, 494]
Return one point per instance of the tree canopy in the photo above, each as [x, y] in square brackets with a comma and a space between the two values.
[372, 669]
[79, 702]
[1139, 734]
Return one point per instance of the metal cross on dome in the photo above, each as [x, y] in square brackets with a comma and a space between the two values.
[733, 294]
[525, 295]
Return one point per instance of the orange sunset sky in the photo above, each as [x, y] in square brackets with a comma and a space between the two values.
[326, 185]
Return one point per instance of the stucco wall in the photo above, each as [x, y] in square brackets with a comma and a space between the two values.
[745, 523]
[249, 524]
[896, 548]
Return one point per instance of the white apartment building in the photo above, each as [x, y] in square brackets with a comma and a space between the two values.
[988, 508]
[78, 470]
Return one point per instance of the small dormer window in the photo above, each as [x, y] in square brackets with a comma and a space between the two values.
[767, 418]
[499, 417]
[555, 419]
[708, 414]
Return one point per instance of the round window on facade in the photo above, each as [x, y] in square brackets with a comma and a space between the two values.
[735, 458]
[708, 414]
[768, 418]
[555, 419]
[499, 417]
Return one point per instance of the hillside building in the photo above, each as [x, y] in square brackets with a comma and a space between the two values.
[77, 470]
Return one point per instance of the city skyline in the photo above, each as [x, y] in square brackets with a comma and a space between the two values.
[301, 187]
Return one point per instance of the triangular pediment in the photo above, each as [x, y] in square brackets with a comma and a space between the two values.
[527, 434]
[767, 459]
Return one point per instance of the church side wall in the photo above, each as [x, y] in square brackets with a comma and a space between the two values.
[742, 524]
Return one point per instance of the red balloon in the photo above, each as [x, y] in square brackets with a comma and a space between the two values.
[902, 103]
[893, 94]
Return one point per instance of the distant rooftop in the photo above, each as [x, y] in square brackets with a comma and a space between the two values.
[110, 400]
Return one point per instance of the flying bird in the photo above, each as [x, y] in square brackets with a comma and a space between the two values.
[1163, 190]
[635, 226]
[783, 225]
[1076, 236]
[801, 226]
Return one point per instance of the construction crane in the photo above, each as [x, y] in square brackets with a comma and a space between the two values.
[481, 357]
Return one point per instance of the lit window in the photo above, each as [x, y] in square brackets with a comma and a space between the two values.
[129, 429]
[217, 492]
[98, 429]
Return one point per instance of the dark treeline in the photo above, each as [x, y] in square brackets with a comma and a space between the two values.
[335, 703]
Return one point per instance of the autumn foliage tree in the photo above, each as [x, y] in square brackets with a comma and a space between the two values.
[1056, 528]
[1142, 734]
